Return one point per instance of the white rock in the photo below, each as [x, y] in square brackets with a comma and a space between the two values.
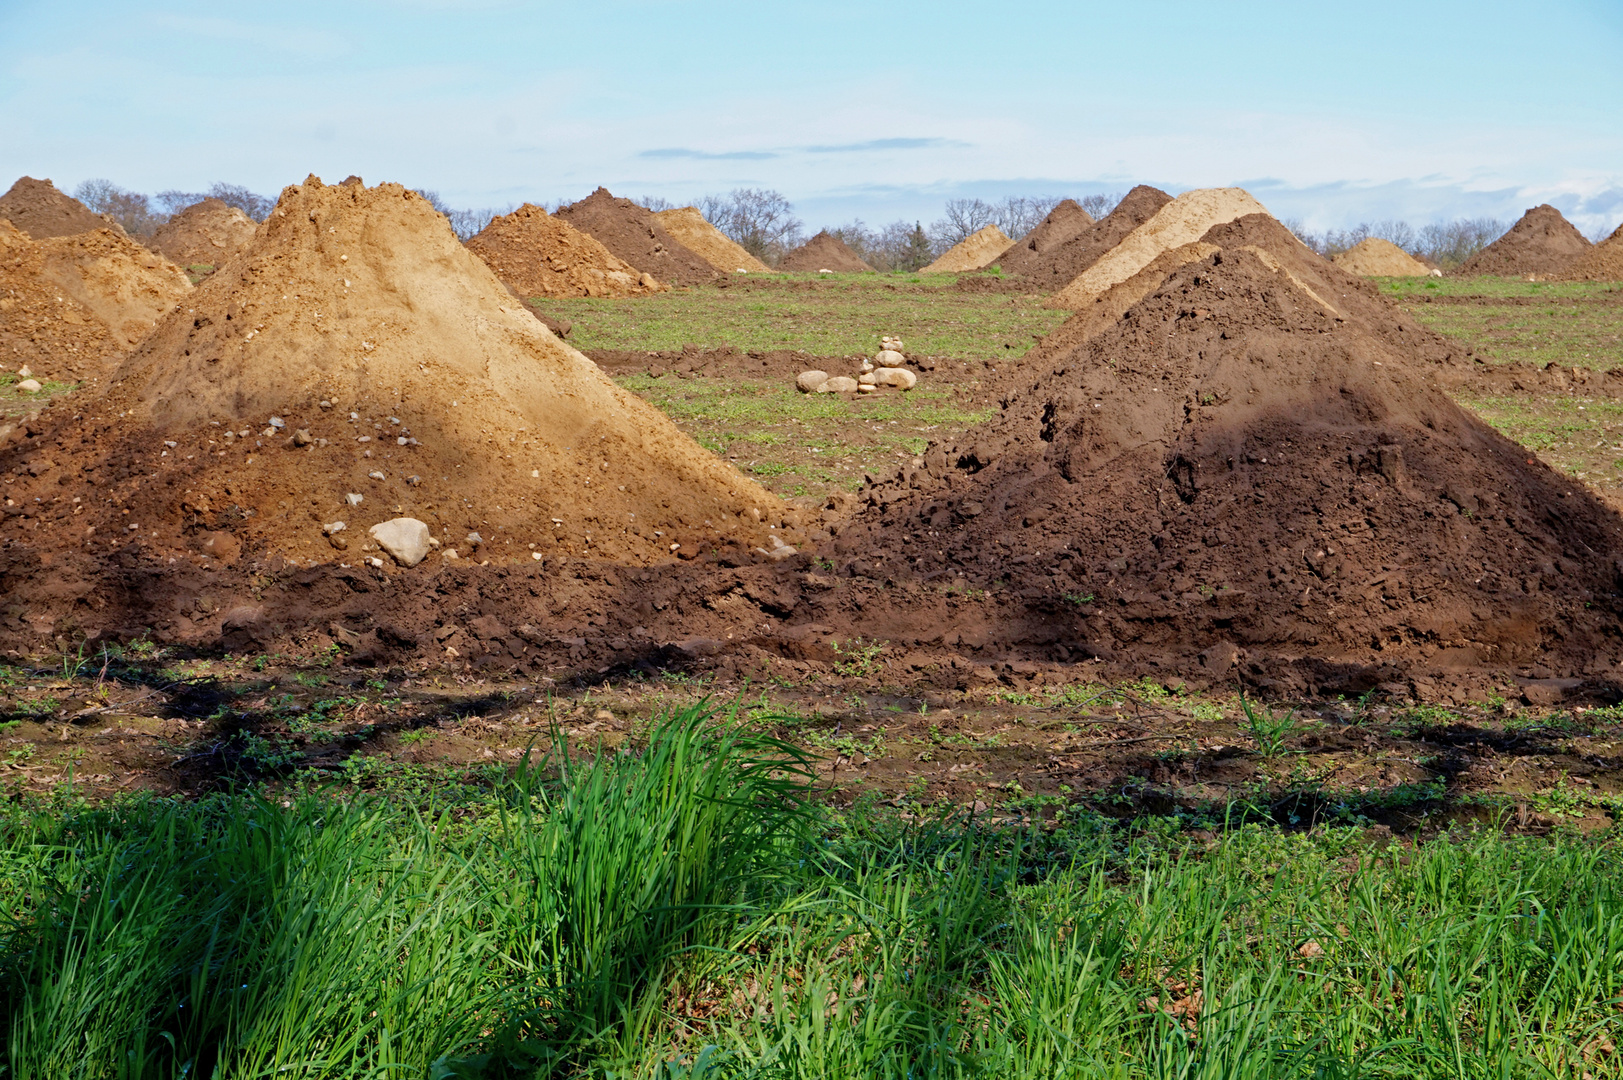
[29, 386]
[867, 365]
[353, 499]
[839, 384]
[807, 381]
[867, 378]
[825, 271]
[901, 378]
[24, 372]
[374, 474]
[404, 538]
[333, 527]
[450, 553]
[890, 358]
[474, 538]
[278, 423]
[537, 554]
[867, 388]
[433, 543]
[374, 561]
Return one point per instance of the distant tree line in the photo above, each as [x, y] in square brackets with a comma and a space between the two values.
[140, 215]
[1446, 244]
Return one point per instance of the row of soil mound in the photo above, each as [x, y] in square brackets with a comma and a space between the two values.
[636, 237]
[976, 251]
[708, 242]
[403, 381]
[536, 254]
[40, 211]
[1374, 257]
[1065, 222]
[205, 235]
[1060, 264]
[1541, 245]
[824, 251]
[1603, 262]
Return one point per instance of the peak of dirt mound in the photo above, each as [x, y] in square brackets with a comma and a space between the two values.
[975, 251]
[1375, 257]
[708, 242]
[1181, 221]
[444, 401]
[536, 254]
[1603, 262]
[636, 237]
[204, 234]
[1064, 222]
[1062, 262]
[1229, 473]
[1541, 244]
[41, 211]
[824, 252]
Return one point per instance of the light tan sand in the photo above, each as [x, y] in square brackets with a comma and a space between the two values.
[974, 252]
[708, 242]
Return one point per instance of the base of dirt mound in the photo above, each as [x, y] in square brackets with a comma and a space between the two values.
[708, 242]
[204, 236]
[41, 211]
[1380, 258]
[824, 252]
[1604, 262]
[974, 252]
[1060, 264]
[635, 236]
[1065, 222]
[1542, 244]
[536, 254]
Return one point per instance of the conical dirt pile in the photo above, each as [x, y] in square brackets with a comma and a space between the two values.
[444, 401]
[1065, 222]
[536, 254]
[974, 252]
[1542, 244]
[1232, 474]
[1603, 262]
[636, 237]
[1061, 263]
[1181, 221]
[1375, 257]
[41, 211]
[824, 252]
[708, 242]
[205, 234]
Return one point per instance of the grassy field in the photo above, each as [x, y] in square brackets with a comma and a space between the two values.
[1575, 324]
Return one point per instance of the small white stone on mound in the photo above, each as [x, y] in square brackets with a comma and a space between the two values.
[839, 384]
[807, 381]
[867, 378]
[890, 358]
[901, 378]
[29, 386]
[404, 538]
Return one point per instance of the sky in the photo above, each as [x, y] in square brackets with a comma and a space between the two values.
[1332, 114]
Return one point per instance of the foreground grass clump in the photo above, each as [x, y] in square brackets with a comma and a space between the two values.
[687, 910]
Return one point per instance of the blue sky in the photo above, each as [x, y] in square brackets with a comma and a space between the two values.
[1333, 113]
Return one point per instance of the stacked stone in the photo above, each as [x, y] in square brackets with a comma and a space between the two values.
[887, 368]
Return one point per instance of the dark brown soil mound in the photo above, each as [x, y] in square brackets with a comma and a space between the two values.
[1064, 222]
[205, 234]
[1233, 471]
[635, 236]
[536, 254]
[41, 211]
[1056, 267]
[1603, 262]
[1542, 243]
[824, 252]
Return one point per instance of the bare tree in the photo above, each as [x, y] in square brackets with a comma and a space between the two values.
[1017, 215]
[173, 202]
[132, 210]
[655, 204]
[960, 219]
[1098, 205]
[255, 206]
[759, 220]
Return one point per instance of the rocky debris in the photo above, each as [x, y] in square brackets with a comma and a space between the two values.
[404, 538]
[838, 384]
[807, 381]
[302, 437]
[354, 498]
[778, 550]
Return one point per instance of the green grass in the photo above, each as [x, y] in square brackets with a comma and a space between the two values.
[687, 910]
[14, 404]
[837, 315]
[1575, 324]
[1580, 436]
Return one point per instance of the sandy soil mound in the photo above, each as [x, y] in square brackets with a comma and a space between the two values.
[1061, 263]
[1603, 262]
[1065, 222]
[41, 211]
[975, 251]
[123, 284]
[536, 254]
[449, 403]
[636, 237]
[708, 242]
[1181, 221]
[204, 234]
[1541, 244]
[824, 252]
[1375, 257]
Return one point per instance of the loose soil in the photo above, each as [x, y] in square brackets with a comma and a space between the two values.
[1107, 310]
[204, 236]
[1541, 245]
[1375, 257]
[1603, 262]
[636, 237]
[708, 242]
[1064, 222]
[41, 211]
[824, 252]
[974, 252]
[536, 254]
[1060, 264]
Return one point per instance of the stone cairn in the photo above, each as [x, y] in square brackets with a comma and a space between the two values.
[888, 368]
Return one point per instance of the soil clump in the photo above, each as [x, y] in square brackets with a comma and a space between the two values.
[1603, 262]
[1061, 263]
[1542, 244]
[974, 252]
[1374, 257]
[635, 236]
[708, 242]
[40, 211]
[205, 234]
[536, 254]
[1064, 222]
[824, 252]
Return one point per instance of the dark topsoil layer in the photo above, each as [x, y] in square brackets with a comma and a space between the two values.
[1542, 242]
[1055, 268]
[1064, 222]
[633, 234]
[824, 252]
[40, 210]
